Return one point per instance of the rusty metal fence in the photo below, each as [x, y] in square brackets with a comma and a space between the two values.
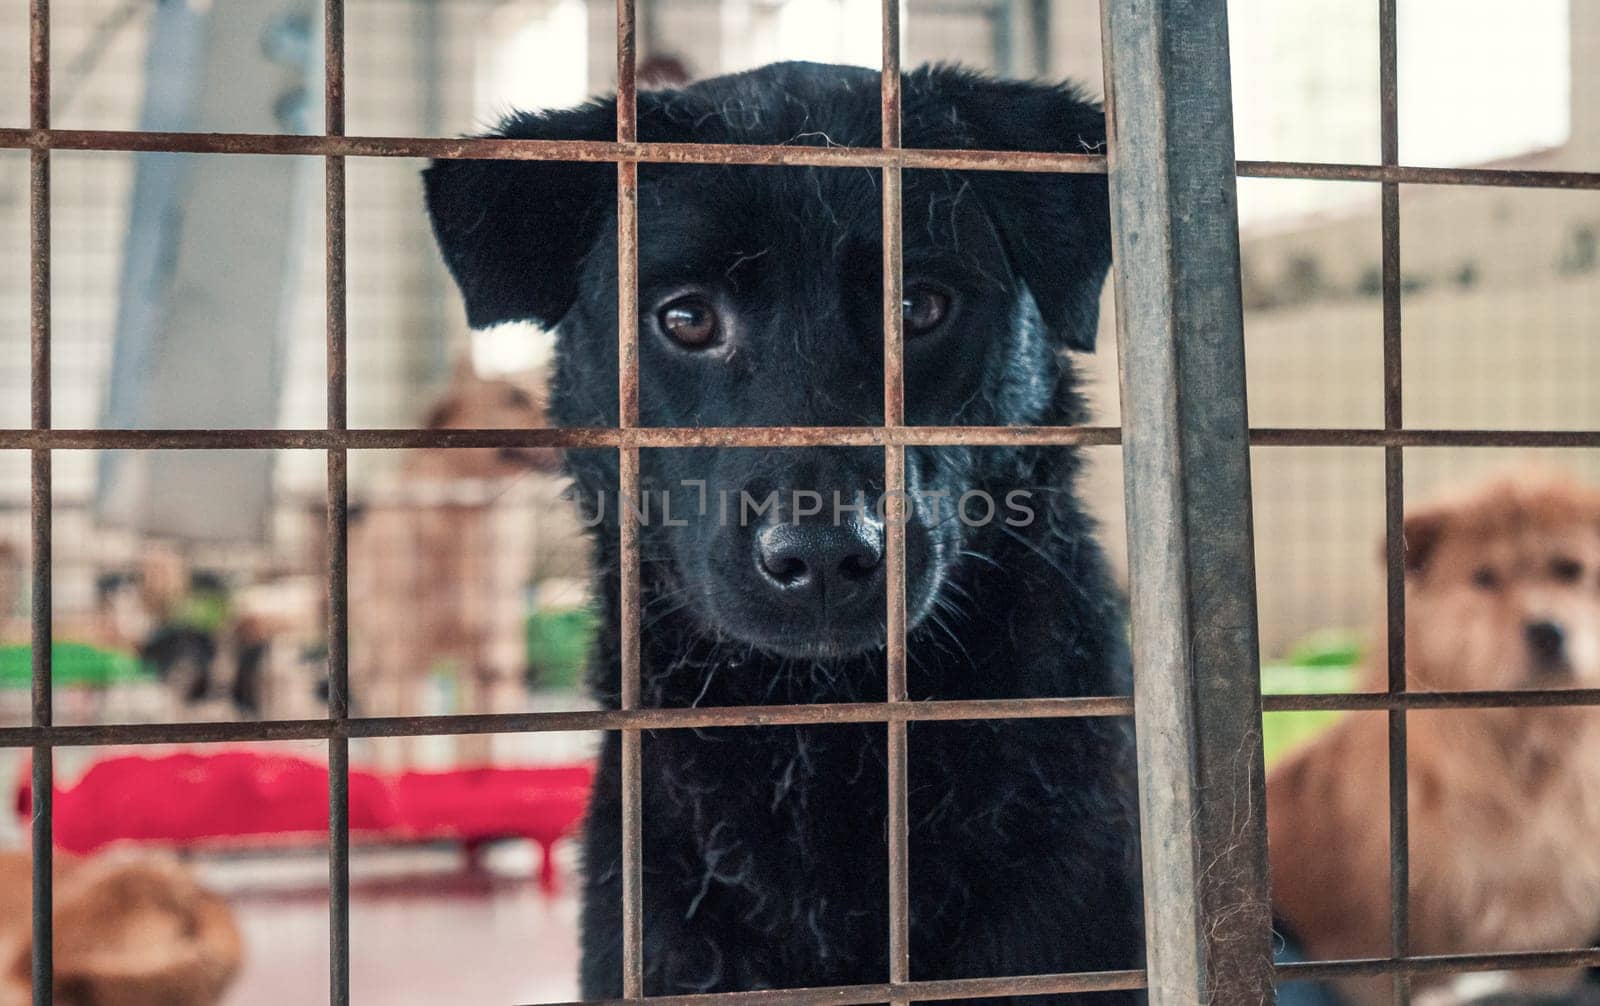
[1197, 702]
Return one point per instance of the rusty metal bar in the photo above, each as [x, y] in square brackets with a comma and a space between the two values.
[699, 717]
[705, 717]
[634, 437]
[628, 484]
[894, 483]
[451, 148]
[1454, 964]
[1399, 174]
[1187, 473]
[547, 150]
[41, 635]
[1394, 508]
[1367, 701]
[1032, 985]
[750, 436]
[930, 991]
[333, 51]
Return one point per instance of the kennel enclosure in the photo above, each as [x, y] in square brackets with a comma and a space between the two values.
[1184, 435]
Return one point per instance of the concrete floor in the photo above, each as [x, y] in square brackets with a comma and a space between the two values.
[419, 938]
[424, 930]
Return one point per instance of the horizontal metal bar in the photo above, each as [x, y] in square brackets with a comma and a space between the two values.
[394, 439]
[749, 436]
[581, 719]
[1314, 437]
[1413, 175]
[602, 151]
[859, 995]
[1368, 701]
[454, 148]
[737, 716]
[1437, 965]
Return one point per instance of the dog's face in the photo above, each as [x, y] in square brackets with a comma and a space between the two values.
[760, 304]
[472, 402]
[1504, 589]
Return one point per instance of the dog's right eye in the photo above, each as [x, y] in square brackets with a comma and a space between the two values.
[1485, 578]
[691, 322]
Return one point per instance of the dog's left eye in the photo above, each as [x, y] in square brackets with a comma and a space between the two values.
[1567, 570]
[924, 308]
[1485, 578]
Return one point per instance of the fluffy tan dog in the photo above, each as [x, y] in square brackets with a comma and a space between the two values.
[1502, 593]
[439, 558]
[130, 930]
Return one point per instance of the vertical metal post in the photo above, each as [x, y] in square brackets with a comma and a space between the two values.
[628, 485]
[894, 483]
[40, 497]
[1394, 506]
[1186, 457]
[338, 520]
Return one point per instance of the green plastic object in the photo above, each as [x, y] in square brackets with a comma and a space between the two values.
[1331, 648]
[558, 644]
[1284, 731]
[72, 665]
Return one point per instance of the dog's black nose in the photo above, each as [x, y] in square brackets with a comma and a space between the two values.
[831, 562]
[1546, 640]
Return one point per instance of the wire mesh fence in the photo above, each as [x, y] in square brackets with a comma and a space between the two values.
[1216, 951]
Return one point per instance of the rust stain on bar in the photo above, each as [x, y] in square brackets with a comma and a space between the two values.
[930, 991]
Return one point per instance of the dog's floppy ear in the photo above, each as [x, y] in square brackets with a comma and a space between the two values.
[514, 232]
[1056, 227]
[1423, 530]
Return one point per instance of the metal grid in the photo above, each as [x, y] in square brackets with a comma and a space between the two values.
[1187, 483]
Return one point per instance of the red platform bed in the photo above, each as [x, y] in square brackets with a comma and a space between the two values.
[235, 799]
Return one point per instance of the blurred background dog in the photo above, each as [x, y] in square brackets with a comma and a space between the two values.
[438, 566]
[1502, 593]
[130, 929]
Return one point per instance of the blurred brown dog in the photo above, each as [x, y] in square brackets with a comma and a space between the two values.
[439, 558]
[1502, 593]
[129, 930]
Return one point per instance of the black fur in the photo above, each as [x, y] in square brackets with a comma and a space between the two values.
[765, 853]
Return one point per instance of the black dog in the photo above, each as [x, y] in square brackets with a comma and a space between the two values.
[764, 848]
